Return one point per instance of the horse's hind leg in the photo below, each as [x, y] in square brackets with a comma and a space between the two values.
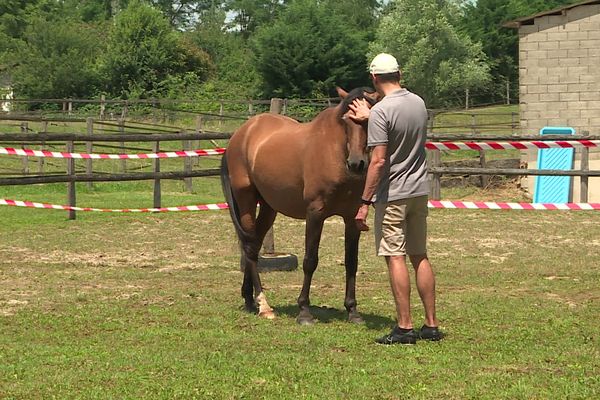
[251, 240]
[264, 221]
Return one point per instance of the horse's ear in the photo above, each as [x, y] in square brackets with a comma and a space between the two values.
[373, 96]
[341, 92]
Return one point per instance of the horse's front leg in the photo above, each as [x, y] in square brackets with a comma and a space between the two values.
[352, 237]
[314, 227]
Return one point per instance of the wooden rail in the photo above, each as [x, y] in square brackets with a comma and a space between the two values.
[191, 140]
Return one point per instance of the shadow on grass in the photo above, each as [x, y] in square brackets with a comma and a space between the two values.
[326, 315]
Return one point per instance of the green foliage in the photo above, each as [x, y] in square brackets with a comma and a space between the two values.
[437, 61]
[308, 50]
[362, 14]
[248, 15]
[234, 75]
[241, 48]
[57, 60]
[144, 53]
[181, 13]
[12, 17]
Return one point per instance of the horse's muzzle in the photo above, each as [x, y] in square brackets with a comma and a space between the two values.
[357, 166]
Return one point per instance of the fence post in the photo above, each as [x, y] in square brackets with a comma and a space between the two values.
[70, 108]
[24, 130]
[124, 111]
[431, 121]
[71, 185]
[585, 166]
[197, 142]
[221, 114]
[250, 108]
[102, 107]
[269, 242]
[154, 112]
[436, 185]
[466, 99]
[507, 91]
[89, 149]
[512, 123]
[482, 163]
[42, 145]
[187, 164]
[156, 168]
[122, 144]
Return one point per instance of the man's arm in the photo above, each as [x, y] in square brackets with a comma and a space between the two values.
[374, 173]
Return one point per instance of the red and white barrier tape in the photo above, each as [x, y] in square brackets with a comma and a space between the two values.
[486, 205]
[511, 145]
[219, 151]
[60, 154]
[489, 205]
[32, 204]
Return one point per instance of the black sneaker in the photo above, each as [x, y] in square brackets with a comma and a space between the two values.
[430, 333]
[399, 335]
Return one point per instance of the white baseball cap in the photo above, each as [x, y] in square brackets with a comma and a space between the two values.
[384, 63]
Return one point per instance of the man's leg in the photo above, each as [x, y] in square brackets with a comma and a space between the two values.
[400, 284]
[426, 286]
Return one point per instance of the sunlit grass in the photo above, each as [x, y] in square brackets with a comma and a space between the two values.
[148, 306]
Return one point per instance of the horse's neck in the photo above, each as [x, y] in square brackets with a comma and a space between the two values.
[328, 138]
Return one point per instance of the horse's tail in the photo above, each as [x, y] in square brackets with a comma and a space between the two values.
[233, 207]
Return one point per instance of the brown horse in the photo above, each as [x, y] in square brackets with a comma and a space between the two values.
[307, 171]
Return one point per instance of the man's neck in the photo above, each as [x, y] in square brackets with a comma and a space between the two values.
[389, 87]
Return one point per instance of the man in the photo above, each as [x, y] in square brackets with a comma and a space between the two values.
[398, 185]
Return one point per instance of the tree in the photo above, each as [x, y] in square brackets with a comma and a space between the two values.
[235, 75]
[248, 15]
[144, 52]
[308, 50]
[181, 13]
[438, 62]
[57, 60]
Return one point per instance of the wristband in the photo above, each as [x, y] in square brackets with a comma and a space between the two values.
[366, 202]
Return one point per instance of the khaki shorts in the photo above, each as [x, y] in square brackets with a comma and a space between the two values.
[401, 227]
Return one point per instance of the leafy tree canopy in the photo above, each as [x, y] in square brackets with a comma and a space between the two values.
[308, 50]
[56, 60]
[144, 52]
[437, 61]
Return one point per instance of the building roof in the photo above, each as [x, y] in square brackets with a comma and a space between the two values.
[557, 11]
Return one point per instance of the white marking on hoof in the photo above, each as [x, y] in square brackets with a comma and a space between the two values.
[264, 310]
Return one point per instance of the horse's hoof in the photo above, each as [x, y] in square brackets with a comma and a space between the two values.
[250, 308]
[305, 319]
[355, 318]
[269, 314]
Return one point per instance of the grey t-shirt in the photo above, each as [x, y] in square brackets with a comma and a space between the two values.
[400, 122]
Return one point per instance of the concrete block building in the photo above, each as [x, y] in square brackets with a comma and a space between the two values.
[559, 68]
[559, 75]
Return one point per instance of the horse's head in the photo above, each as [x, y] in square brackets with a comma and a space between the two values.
[358, 156]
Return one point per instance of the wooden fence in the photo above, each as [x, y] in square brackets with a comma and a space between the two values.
[223, 110]
[161, 133]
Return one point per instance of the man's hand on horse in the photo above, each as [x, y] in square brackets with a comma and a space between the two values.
[361, 218]
[360, 110]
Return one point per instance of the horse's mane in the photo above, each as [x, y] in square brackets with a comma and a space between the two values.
[358, 93]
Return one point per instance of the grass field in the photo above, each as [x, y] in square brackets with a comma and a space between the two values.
[129, 306]
[148, 306]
